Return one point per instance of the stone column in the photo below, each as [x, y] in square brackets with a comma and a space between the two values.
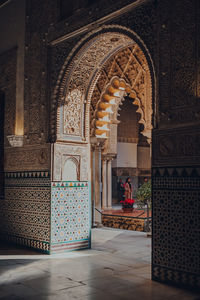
[104, 182]
[96, 181]
[109, 183]
[93, 184]
[150, 143]
[97, 192]
[97, 146]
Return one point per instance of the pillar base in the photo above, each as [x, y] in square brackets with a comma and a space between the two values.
[107, 208]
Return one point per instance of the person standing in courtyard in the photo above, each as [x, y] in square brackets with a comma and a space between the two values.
[128, 189]
[120, 190]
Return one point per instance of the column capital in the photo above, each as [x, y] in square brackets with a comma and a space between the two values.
[97, 144]
[149, 141]
[108, 157]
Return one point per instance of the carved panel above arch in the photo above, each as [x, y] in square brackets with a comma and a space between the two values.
[84, 70]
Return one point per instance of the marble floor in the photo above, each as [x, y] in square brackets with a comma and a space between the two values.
[117, 267]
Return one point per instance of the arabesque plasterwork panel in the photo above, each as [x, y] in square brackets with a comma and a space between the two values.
[73, 113]
[79, 153]
[27, 158]
[91, 58]
[84, 70]
[91, 69]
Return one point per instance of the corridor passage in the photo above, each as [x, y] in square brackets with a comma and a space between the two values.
[117, 267]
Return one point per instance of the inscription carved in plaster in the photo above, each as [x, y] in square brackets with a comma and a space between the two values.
[27, 159]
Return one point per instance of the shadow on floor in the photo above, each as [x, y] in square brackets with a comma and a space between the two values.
[7, 248]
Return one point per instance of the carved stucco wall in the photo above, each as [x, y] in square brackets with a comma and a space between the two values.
[30, 66]
[80, 154]
[12, 36]
[27, 158]
[25, 206]
[35, 153]
[8, 65]
[39, 16]
[176, 146]
[25, 209]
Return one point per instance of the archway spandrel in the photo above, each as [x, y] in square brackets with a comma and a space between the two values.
[103, 79]
[92, 56]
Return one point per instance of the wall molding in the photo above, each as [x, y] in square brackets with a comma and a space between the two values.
[95, 24]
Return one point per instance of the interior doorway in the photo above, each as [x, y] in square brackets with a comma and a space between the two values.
[121, 124]
[133, 157]
[130, 168]
[107, 66]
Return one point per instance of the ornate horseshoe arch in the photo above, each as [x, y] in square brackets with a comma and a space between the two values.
[106, 111]
[83, 72]
[105, 65]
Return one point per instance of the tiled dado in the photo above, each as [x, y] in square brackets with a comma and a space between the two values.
[70, 216]
[172, 276]
[176, 223]
[39, 245]
[33, 207]
[25, 211]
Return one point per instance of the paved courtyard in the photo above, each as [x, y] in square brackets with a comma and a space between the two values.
[117, 267]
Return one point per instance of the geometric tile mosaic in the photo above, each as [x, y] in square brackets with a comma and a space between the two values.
[25, 210]
[70, 215]
[173, 276]
[176, 224]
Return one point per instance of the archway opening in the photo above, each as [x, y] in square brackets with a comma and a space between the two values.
[104, 68]
[133, 158]
[121, 124]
